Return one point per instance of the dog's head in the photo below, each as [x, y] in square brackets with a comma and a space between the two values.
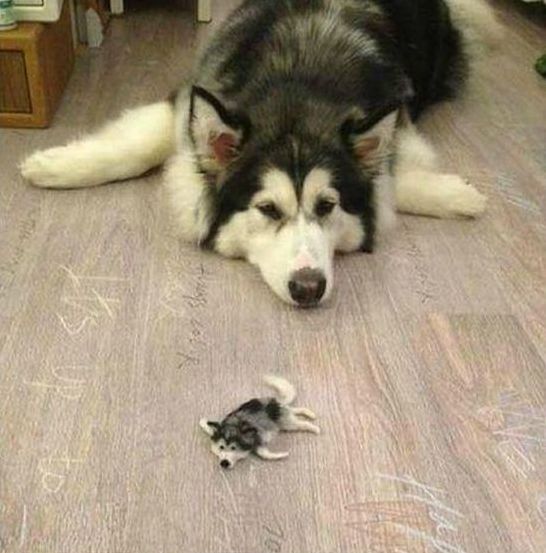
[289, 190]
[230, 443]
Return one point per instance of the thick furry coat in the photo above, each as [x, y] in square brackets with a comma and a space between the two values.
[295, 137]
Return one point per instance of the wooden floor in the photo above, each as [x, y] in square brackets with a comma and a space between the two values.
[427, 368]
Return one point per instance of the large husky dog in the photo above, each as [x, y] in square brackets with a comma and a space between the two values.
[295, 138]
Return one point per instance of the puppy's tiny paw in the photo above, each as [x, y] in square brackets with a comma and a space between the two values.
[304, 412]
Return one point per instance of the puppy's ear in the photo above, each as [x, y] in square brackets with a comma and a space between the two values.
[370, 138]
[217, 133]
[210, 427]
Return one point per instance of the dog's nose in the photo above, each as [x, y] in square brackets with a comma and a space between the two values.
[307, 286]
[224, 464]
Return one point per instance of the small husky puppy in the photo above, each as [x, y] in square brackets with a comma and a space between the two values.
[254, 424]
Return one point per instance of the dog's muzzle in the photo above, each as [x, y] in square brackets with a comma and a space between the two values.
[307, 287]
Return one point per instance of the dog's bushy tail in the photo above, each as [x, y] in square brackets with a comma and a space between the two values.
[286, 393]
[139, 140]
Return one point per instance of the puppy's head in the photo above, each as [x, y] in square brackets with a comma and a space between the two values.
[287, 195]
[229, 444]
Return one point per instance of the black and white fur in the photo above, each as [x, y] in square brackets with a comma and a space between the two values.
[295, 138]
[250, 428]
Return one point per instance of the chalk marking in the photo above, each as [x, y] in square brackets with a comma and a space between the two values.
[529, 416]
[527, 459]
[69, 388]
[93, 306]
[67, 392]
[55, 372]
[237, 523]
[187, 359]
[439, 545]
[410, 481]
[104, 302]
[23, 532]
[175, 291]
[527, 426]
[231, 495]
[79, 302]
[273, 546]
[434, 503]
[252, 478]
[542, 508]
[437, 512]
[171, 309]
[227, 532]
[442, 523]
[508, 458]
[505, 185]
[226, 523]
[533, 421]
[48, 475]
[279, 534]
[524, 437]
[524, 431]
[75, 331]
[76, 279]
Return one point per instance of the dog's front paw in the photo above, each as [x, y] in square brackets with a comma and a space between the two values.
[461, 199]
[437, 195]
[48, 168]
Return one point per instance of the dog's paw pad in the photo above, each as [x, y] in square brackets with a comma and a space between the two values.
[462, 198]
[48, 168]
[39, 169]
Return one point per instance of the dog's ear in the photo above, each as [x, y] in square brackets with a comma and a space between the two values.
[369, 138]
[210, 427]
[217, 133]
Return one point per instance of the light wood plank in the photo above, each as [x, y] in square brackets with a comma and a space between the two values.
[427, 367]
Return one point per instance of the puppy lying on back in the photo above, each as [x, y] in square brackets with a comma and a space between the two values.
[251, 427]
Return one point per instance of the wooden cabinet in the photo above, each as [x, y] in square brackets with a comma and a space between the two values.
[36, 60]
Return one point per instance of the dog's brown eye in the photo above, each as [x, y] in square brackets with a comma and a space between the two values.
[222, 447]
[324, 207]
[233, 448]
[271, 211]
